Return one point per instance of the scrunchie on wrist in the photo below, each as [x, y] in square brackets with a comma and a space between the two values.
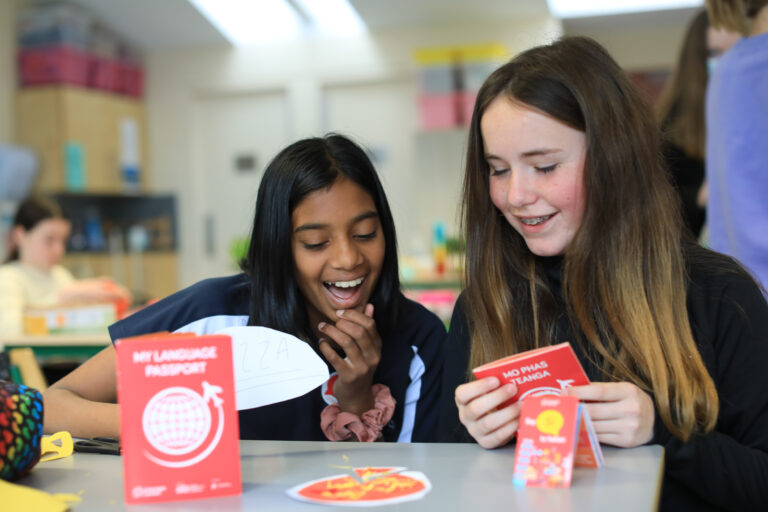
[342, 426]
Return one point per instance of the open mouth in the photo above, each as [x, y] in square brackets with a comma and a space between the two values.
[344, 291]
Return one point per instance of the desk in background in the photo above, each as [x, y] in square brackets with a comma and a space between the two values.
[30, 352]
[463, 476]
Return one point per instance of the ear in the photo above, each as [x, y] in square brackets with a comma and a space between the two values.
[16, 237]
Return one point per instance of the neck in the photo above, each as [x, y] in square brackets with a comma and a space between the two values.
[760, 23]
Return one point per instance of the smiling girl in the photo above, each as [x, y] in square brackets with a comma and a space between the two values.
[321, 265]
[574, 234]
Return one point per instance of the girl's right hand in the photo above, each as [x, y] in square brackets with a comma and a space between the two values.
[478, 401]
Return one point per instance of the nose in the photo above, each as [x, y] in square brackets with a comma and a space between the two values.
[520, 190]
[345, 254]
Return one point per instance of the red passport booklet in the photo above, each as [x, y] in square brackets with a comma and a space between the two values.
[543, 371]
[178, 422]
[555, 435]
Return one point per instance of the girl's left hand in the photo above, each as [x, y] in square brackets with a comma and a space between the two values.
[356, 334]
[623, 414]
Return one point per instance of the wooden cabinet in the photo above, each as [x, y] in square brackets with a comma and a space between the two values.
[80, 139]
[65, 124]
[150, 273]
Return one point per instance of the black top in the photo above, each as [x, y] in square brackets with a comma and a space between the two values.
[411, 361]
[687, 174]
[726, 469]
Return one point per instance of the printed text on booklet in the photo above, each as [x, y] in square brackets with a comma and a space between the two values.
[543, 371]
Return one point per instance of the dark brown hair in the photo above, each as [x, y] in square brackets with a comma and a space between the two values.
[624, 278]
[681, 107]
[31, 212]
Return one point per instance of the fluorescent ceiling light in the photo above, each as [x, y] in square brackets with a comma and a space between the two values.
[583, 8]
[245, 22]
[333, 17]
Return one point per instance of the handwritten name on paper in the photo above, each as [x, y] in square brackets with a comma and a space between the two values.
[272, 366]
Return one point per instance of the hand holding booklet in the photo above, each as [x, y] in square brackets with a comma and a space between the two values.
[555, 432]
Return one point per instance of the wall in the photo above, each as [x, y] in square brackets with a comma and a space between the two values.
[306, 72]
[8, 10]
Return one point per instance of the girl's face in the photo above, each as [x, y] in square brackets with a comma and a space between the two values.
[536, 167]
[44, 245]
[338, 249]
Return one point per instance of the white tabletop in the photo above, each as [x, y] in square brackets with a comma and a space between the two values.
[463, 476]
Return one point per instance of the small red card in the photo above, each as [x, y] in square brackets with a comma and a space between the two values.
[543, 371]
[555, 434]
[178, 422]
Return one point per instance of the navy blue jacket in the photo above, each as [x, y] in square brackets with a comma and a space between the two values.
[411, 361]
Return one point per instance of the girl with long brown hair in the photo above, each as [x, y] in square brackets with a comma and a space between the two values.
[681, 113]
[573, 233]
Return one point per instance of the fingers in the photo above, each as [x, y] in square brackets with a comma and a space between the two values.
[601, 391]
[356, 334]
[622, 413]
[478, 404]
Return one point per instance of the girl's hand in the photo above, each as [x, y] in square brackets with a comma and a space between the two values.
[478, 401]
[623, 414]
[356, 334]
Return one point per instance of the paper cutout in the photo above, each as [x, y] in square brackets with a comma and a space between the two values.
[367, 490]
[272, 366]
[56, 446]
[19, 497]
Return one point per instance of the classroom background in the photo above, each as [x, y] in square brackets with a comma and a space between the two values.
[152, 128]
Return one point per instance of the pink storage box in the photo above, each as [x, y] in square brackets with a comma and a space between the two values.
[438, 111]
[104, 73]
[131, 79]
[52, 65]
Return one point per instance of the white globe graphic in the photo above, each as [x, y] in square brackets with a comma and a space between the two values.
[176, 421]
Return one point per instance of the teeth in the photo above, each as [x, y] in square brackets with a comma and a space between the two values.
[535, 220]
[346, 284]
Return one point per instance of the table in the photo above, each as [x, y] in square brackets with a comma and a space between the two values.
[65, 345]
[463, 476]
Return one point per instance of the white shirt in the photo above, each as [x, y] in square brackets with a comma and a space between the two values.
[22, 286]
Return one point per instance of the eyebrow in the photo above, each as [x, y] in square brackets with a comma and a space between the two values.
[365, 215]
[527, 154]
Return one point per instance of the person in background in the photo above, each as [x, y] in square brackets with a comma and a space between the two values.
[321, 265]
[573, 234]
[33, 276]
[681, 113]
[737, 137]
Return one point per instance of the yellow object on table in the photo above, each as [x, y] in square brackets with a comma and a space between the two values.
[56, 446]
[18, 498]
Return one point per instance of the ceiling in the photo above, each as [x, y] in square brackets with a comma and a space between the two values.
[170, 24]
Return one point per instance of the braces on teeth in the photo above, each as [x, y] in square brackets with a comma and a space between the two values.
[534, 221]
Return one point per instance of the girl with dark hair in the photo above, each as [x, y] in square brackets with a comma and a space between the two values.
[681, 113]
[574, 234]
[321, 265]
[33, 276]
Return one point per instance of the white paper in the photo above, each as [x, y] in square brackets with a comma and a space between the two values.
[271, 366]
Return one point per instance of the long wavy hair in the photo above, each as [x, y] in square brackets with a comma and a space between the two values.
[624, 277]
[734, 15]
[297, 171]
[681, 106]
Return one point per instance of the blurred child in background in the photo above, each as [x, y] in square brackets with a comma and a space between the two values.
[33, 276]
